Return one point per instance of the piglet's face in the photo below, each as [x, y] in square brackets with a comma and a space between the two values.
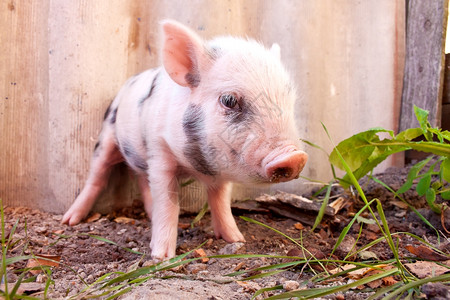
[239, 124]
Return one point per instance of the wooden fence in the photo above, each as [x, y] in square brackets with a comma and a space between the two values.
[61, 63]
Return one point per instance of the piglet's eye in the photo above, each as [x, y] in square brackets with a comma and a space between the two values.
[229, 100]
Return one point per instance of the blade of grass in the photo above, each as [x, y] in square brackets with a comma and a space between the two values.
[417, 283]
[389, 239]
[17, 285]
[322, 207]
[349, 226]
[396, 194]
[3, 271]
[319, 292]
[269, 289]
[200, 214]
[269, 267]
[102, 239]
[363, 196]
[284, 235]
[385, 290]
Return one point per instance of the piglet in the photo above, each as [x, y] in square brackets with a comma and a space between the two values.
[217, 111]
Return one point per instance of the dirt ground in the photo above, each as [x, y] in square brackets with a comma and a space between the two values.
[85, 258]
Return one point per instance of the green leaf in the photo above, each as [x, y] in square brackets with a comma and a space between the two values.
[430, 195]
[446, 195]
[409, 134]
[423, 185]
[431, 198]
[413, 173]
[365, 220]
[431, 147]
[422, 117]
[357, 149]
[445, 169]
[446, 135]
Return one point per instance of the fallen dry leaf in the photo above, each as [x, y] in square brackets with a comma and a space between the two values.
[239, 266]
[342, 268]
[200, 253]
[25, 287]
[184, 225]
[366, 255]
[389, 280]
[426, 269]
[426, 253]
[399, 204]
[299, 226]
[43, 260]
[375, 284]
[358, 274]
[93, 218]
[371, 236]
[124, 220]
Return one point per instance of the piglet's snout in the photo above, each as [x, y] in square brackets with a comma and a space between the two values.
[286, 167]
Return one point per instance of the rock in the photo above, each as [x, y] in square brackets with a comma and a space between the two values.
[231, 248]
[195, 268]
[290, 285]
[345, 246]
[435, 290]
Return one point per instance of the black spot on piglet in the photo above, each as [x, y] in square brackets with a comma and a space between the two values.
[196, 148]
[113, 116]
[132, 157]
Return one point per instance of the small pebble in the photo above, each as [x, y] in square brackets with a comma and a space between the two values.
[122, 231]
[195, 268]
[41, 278]
[291, 285]
[231, 248]
[340, 297]
[40, 229]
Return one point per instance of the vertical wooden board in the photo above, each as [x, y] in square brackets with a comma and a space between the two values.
[23, 102]
[90, 43]
[424, 66]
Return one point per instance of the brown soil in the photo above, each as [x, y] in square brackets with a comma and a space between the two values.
[86, 258]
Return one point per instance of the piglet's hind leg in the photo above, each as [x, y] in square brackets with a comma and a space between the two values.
[105, 156]
[225, 227]
[146, 194]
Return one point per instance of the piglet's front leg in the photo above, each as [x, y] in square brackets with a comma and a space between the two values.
[219, 197]
[165, 210]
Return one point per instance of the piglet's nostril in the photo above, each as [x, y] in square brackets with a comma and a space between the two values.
[281, 173]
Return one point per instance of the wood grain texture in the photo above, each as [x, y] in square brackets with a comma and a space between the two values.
[424, 64]
[62, 62]
[23, 102]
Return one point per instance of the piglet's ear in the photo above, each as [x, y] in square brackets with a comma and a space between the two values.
[182, 54]
[275, 49]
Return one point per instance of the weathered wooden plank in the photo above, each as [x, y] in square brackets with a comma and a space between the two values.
[23, 101]
[424, 65]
